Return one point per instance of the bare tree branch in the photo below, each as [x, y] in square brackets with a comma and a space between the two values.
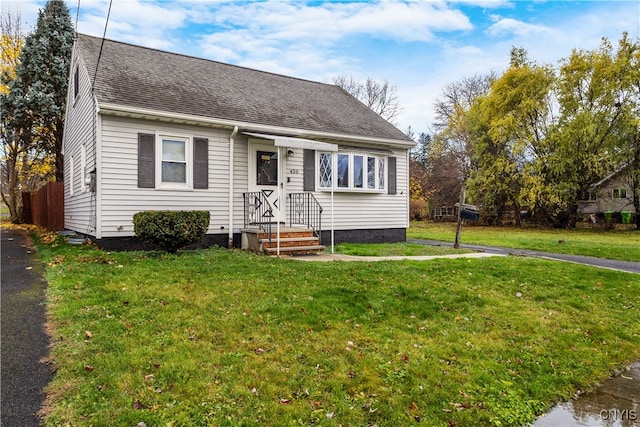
[381, 97]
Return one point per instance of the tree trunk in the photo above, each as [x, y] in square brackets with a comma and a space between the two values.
[635, 180]
[12, 197]
[59, 175]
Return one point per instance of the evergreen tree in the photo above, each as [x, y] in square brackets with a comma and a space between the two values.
[39, 91]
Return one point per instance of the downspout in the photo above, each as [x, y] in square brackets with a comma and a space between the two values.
[231, 149]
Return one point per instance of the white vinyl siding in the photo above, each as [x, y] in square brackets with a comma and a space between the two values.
[83, 167]
[79, 208]
[121, 198]
[72, 179]
[240, 179]
[370, 210]
[359, 209]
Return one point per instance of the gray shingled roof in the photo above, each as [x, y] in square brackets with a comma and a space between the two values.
[140, 77]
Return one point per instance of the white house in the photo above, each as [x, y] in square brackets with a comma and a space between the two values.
[153, 130]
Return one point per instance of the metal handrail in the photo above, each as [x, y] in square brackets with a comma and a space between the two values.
[258, 212]
[304, 209]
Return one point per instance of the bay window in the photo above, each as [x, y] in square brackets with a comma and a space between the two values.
[351, 172]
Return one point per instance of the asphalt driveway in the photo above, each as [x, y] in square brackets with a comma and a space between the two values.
[25, 344]
[627, 266]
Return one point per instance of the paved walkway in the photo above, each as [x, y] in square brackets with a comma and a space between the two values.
[341, 257]
[25, 343]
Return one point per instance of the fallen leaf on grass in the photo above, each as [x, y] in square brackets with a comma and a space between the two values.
[88, 334]
[285, 401]
[137, 405]
[88, 368]
[315, 404]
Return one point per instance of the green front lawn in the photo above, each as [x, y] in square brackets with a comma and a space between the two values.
[394, 249]
[226, 338]
[614, 244]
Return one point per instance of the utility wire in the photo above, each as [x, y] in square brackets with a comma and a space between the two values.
[102, 44]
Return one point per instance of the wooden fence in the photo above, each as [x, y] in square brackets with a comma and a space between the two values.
[45, 207]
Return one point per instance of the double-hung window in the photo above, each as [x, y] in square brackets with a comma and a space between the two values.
[351, 171]
[175, 167]
[620, 193]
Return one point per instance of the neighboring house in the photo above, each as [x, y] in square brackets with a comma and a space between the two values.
[152, 130]
[612, 194]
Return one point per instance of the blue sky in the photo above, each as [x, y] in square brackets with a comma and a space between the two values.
[418, 46]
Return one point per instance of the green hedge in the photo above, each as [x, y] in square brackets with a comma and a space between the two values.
[171, 230]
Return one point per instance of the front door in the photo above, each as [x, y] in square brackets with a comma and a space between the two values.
[264, 175]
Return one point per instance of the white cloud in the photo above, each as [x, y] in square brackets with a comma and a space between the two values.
[334, 21]
[133, 21]
[510, 26]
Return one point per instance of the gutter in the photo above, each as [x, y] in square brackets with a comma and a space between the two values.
[144, 113]
[231, 149]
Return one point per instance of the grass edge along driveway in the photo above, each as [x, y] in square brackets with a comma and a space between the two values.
[623, 245]
[219, 337]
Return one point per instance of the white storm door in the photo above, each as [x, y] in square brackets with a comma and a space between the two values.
[265, 176]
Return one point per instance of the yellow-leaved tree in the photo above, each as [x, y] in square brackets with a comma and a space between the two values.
[11, 41]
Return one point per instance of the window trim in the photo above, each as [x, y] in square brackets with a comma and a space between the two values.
[189, 162]
[335, 185]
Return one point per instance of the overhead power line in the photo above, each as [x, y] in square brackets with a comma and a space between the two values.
[102, 44]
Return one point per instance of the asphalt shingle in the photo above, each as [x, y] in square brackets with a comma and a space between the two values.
[140, 77]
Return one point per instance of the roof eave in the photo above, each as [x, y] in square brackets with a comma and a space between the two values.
[189, 119]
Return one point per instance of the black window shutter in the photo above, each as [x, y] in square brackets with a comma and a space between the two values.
[391, 164]
[200, 163]
[309, 168]
[146, 160]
